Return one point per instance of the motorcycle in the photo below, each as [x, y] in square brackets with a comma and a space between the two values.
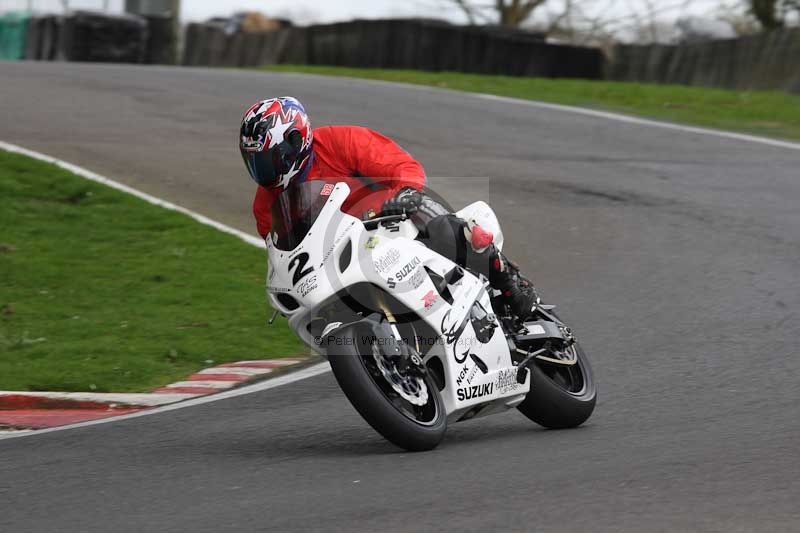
[414, 340]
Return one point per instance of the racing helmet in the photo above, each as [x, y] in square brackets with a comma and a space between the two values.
[275, 141]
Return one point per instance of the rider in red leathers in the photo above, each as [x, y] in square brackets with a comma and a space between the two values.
[279, 147]
[373, 166]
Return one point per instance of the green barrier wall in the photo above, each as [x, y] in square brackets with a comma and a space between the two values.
[13, 32]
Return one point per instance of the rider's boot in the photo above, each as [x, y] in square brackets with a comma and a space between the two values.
[517, 290]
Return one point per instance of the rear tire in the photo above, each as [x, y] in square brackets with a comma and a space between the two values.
[374, 403]
[561, 397]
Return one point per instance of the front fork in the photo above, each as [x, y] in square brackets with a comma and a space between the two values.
[406, 357]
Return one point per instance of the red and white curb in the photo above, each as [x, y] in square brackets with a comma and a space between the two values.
[225, 376]
[39, 410]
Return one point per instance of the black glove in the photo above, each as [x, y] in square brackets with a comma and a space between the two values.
[406, 201]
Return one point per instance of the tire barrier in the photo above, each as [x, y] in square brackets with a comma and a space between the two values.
[33, 39]
[161, 44]
[41, 42]
[409, 44]
[90, 36]
[50, 28]
[765, 61]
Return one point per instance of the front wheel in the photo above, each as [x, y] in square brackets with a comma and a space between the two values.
[561, 396]
[407, 410]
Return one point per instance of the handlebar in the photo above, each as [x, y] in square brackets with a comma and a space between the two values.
[373, 223]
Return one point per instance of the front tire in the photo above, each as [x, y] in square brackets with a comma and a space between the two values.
[560, 396]
[413, 428]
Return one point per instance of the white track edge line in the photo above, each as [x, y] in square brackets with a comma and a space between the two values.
[305, 373]
[233, 371]
[211, 384]
[608, 115]
[645, 122]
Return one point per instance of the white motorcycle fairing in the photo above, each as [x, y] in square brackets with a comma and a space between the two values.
[339, 252]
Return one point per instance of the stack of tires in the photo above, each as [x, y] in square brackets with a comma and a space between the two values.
[90, 36]
[42, 39]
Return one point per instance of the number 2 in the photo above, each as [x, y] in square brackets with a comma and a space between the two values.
[298, 265]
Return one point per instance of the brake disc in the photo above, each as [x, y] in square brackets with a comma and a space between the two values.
[410, 388]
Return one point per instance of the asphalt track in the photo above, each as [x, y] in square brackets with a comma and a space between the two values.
[675, 256]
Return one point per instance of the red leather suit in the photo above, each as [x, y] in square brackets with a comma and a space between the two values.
[373, 166]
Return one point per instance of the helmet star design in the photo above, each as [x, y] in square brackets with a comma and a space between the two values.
[275, 141]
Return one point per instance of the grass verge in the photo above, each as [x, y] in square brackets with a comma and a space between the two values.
[101, 291]
[768, 113]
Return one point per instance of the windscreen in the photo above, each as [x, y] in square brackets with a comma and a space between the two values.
[295, 210]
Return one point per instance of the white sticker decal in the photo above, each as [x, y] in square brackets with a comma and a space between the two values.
[384, 263]
[507, 380]
[305, 287]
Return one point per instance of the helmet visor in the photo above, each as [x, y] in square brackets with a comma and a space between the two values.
[262, 166]
[267, 166]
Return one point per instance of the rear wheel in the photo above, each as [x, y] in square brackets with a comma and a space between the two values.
[561, 396]
[403, 407]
